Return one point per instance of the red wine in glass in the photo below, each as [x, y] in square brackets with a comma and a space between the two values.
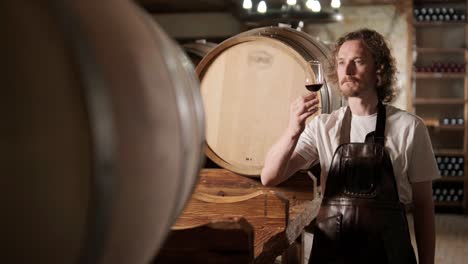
[314, 87]
[314, 84]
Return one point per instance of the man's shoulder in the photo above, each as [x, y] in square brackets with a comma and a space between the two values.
[335, 115]
[404, 118]
[394, 114]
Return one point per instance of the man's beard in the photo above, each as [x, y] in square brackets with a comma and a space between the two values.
[348, 92]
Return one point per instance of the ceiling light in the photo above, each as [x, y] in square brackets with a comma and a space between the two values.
[314, 5]
[262, 7]
[247, 4]
[291, 2]
[335, 3]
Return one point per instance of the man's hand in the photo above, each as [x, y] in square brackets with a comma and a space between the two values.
[302, 108]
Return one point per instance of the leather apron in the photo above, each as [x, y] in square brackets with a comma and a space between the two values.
[361, 219]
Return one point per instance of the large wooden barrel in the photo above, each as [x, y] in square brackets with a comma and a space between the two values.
[197, 50]
[102, 132]
[247, 85]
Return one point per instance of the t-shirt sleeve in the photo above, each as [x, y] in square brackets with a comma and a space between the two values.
[307, 144]
[422, 165]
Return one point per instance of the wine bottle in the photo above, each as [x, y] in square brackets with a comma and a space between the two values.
[444, 191]
[446, 159]
[451, 191]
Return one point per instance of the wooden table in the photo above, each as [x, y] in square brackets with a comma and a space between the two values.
[278, 215]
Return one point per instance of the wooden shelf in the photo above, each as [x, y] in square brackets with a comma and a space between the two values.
[449, 152]
[440, 94]
[456, 204]
[424, 2]
[439, 75]
[451, 127]
[439, 50]
[459, 179]
[435, 124]
[448, 128]
[439, 101]
[438, 24]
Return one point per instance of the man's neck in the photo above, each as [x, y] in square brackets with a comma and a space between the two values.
[363, 107]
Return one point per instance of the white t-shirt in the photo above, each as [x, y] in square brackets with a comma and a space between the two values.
[406, 140]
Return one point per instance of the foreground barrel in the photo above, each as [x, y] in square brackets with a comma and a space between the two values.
[247, 85]
[102, 132]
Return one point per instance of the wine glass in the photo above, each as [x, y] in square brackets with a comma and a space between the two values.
[314, 84]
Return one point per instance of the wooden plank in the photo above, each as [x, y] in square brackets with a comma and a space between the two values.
[299, 188]
[228, 240]
[278, 214]
[265, 210]
[439, 101]
[439, 24]
[450, 152]
[450, 179]
[441, 75]
[260, 207]
[440, 50]
[448, 204]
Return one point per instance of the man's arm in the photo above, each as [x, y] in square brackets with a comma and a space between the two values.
[281, 161]
[424, 222]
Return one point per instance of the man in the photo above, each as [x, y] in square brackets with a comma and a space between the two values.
[367, 176]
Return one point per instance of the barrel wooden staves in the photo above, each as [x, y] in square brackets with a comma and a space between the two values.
[247, 85]
[197, 50]
[103, 132]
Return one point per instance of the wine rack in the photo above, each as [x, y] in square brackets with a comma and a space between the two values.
[439, 14]
[440, 93]
[451, 166]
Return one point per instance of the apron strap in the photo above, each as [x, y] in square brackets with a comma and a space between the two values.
[379, 135]
[346, 127]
